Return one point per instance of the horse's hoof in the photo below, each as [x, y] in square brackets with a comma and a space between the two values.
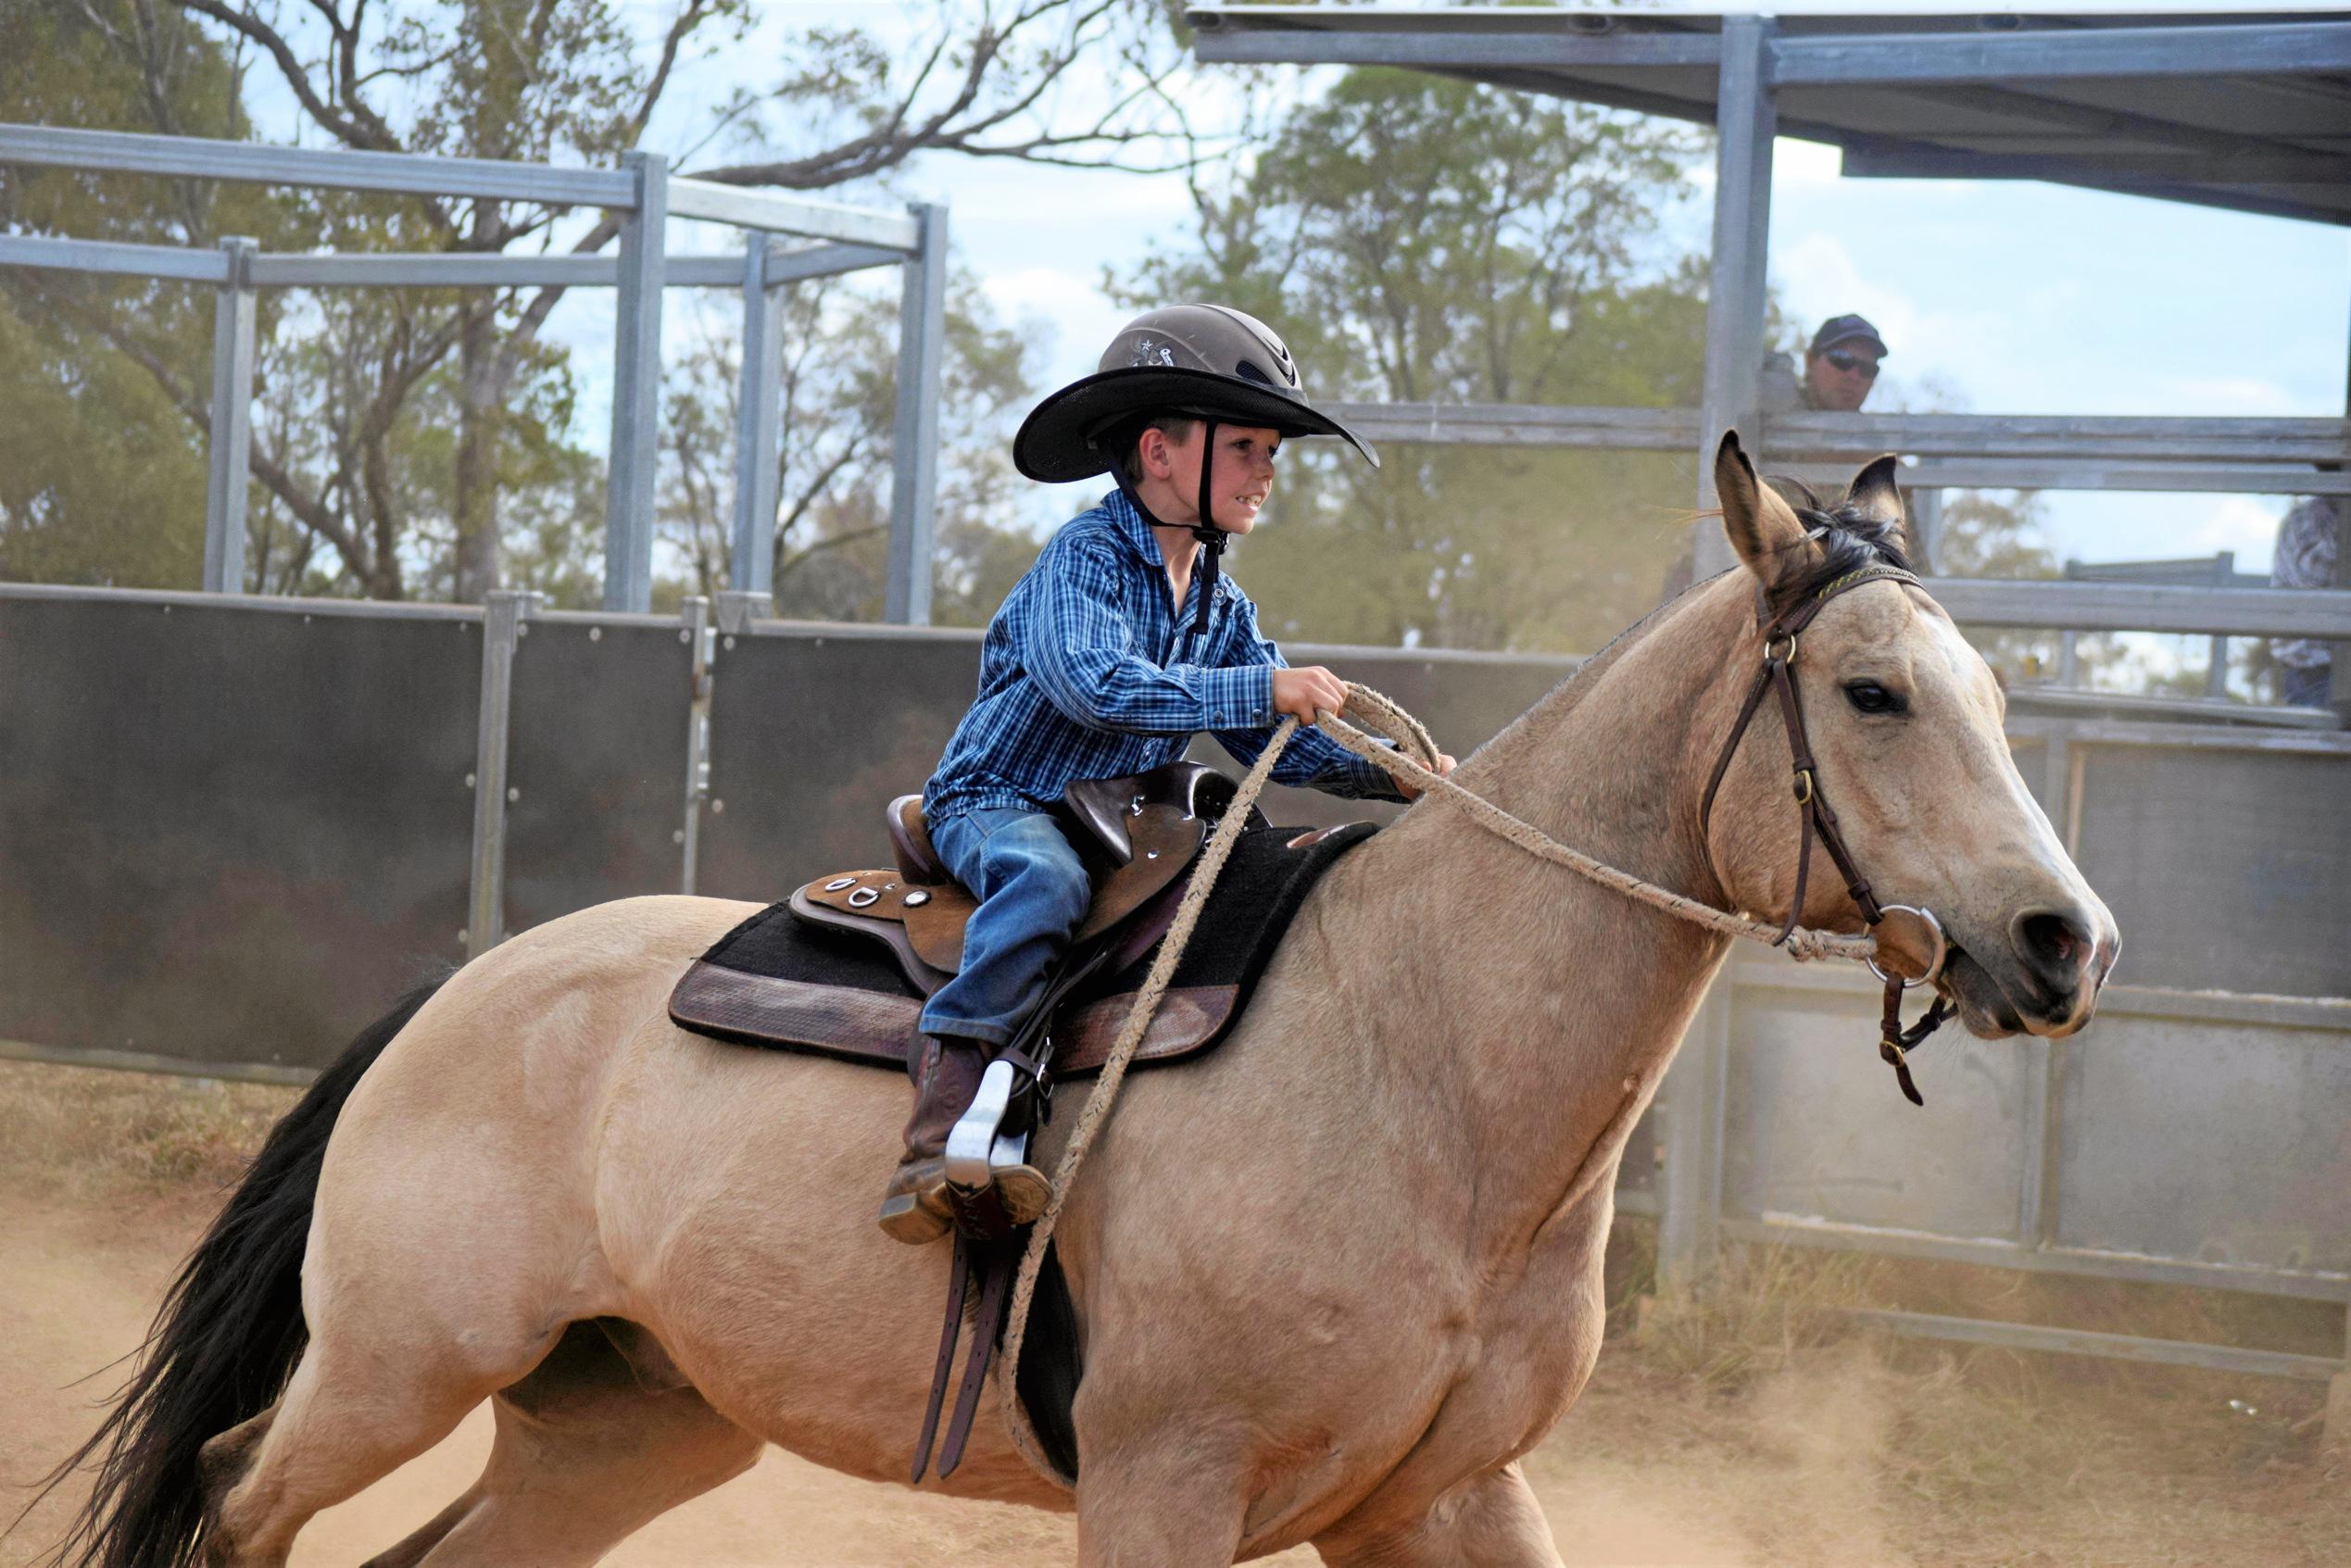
[915, 1207]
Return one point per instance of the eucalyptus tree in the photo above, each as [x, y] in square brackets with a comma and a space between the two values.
[356, 405]
[1425, 240]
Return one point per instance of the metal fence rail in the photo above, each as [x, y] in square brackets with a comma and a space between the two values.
[849, 239]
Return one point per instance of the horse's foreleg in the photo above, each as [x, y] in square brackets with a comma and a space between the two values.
[1169, 1506]
[1489, 1520]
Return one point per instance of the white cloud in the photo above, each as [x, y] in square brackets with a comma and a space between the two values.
[2230, 396]
[1817, 277]
[2243, 523]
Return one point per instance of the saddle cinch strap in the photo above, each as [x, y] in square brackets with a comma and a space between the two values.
[1137, 835]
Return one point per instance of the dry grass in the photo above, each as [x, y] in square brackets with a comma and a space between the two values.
[1966, 1455]
[87, 1133]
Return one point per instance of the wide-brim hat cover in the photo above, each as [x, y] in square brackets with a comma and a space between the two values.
[1200, 360]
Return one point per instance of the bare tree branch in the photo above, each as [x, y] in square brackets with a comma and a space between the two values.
[351, 131]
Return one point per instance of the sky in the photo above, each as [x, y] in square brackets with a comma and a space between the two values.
[1993, 297]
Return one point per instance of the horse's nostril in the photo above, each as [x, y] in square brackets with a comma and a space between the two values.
[2051, 943]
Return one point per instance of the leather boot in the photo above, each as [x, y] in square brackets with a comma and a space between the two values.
[946, 1071]
[917, 1206]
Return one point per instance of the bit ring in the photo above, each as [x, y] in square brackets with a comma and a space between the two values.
[1942, 947]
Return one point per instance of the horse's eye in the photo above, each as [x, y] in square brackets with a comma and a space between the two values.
[1871, 698]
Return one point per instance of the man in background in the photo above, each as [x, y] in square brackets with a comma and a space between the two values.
[1840, 368]
[2308, 541]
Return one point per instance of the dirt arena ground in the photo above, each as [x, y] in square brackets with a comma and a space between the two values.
[1749, 1429]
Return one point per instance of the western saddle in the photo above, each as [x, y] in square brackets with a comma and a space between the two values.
[1138, 836]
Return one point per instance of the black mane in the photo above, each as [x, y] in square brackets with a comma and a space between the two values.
[1848, 540]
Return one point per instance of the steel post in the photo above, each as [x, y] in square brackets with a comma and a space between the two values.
[1747, 120]
[699, 636]
[1924, 526]
[1690, 1195]
[1690, 1200]
[922, 344]
[230, 441]
[636, 387]
[758, 435]
[504, 615]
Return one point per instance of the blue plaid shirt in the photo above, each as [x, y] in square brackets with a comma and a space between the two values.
[1089, 672]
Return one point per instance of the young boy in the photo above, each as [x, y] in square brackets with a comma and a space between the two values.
[1120, 644]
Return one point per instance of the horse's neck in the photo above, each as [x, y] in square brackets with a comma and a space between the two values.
[1536, 1004]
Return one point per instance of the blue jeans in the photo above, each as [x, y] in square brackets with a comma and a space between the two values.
[1032, 893]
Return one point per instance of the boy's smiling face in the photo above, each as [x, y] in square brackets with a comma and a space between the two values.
[1240, 481]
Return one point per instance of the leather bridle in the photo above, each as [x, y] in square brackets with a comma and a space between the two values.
[1817, 819]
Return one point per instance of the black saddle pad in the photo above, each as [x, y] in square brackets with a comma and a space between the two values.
[779, 980]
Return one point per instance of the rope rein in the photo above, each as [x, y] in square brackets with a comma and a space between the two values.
[1413, 759]
[1804, 942]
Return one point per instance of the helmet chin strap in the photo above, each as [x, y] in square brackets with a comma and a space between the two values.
[1211, 538]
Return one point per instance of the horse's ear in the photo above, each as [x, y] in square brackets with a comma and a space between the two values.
[1762, 528]
[1875, 495]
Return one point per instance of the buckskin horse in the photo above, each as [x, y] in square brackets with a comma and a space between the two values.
[1331, 1281]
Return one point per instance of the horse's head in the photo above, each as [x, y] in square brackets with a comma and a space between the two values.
[1905, 719]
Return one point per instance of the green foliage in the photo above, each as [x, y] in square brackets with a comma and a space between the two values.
[101, 469]
[101, 476]
[1420, 239]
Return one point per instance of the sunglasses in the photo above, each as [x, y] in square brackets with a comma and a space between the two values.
[1868, 367]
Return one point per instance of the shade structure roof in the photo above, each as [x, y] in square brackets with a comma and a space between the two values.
[2227, 107]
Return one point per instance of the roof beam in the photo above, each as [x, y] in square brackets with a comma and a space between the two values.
[1440, 51]
[2268, 49]
[2280, 168]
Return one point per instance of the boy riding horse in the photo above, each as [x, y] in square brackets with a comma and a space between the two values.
[1123, 641]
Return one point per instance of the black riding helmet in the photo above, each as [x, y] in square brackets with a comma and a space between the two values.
[1203, 362]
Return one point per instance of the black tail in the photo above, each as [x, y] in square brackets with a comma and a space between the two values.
[224, 1341]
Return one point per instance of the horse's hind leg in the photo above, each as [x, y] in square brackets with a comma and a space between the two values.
[347, 1418]
[586, 1454]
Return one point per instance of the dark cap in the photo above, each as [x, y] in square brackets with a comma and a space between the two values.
[1846, 328]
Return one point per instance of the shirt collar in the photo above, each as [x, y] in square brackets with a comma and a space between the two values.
[1139, 538]
[1133, 530]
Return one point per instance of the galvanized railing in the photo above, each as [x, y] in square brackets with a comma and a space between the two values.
[836, 238]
